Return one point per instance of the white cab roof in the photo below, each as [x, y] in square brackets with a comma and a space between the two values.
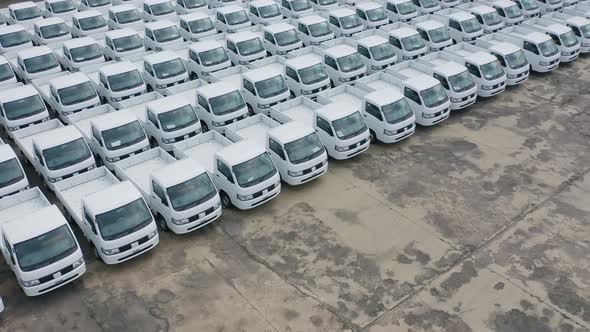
[263, 73]
[193, 16]
[240, 152]
[229, 9]
[384, 97]
[312, 19]
[122, 8]
[86, 14]
[480, 57]
[117, 68]
[178, 172]
[216, 89]
[242, 36]
[69, 80]
[205, 45]
[17, 93]
[403, 32]
[291, 131]
[279, 27]
[119, 33]
[11, 29]
[22, 5]
[340, 50]
[262, 3]
[33, 224]
[482, 9]
[304, 61]
[335, 111]
[505, 48]
[49, 21]
[32, 52]
[422, 80]
[364, 6]
[160, 57]
[167, 104]
[558, 28]
[341, 12]
[79, 42]
[451, 68]
[159, 25]
[429, 25]
[6, 152]
[111, 197]
[504, 3]
[113, 119]
[153, 2]
[373, 40]
[56, 137]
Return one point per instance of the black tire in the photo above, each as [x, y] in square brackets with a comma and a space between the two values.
[162, 223]
[268, 54]
[149, 88]
[204, 126]
[153, 143]
[292, 94]
[250, 110]
[225, 200]
[194, 76]
[332, 85]
[95, 251]
[99, 161]
[372, 137]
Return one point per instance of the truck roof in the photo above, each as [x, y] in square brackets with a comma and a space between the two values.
[555, 28]
[229, 9]
[205, 45]
[193, 16]
[341, 12]
[11, 29]
[335, 111]
[113, 196]
[167, 104]
[262, 3]
[122, 8]
[86, 14]
[479, 57]
[113, 119]
[372, 41]
[340, 50]
[428, 25]
[240, 152]
[384, 96]
[367, 5]
[481, 9]
[504, 47]
[312, 19]
[161, 57]
[117, 68]
[55, 137]
[22, 5]
[578, 20]
[264, 73]
[33, 224]
[17, 93]
[242, 36]
[153, 2]
[279, 27]
[65, 81]
[449, 67]
[503, 3]
[304, 61]
[79, 42]
[119, 33]
[178, 172]
[291, 131]
[403, 32]
[6, 152]
[33, 52]
[216, 89]
[459, 15]
[53, 1]
[49, 21]
[157, 25]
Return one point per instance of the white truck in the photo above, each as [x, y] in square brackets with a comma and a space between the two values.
[463, 26]
[400, 10]
[35, 62]
[191, 6]
[125, 16]
[294, 147]
[12, 175]
[296, 8]
[180, 194]
[117, 82]
[24, 13]
[341, 128]
[485, 69]
[89, 23]
[50, 31]
[486, 15]
[244, 47]
[101, 6]
[343, 21]
[68, 93]
[508, 11]
[232, 18]
[156, 10]
[305, 73]
[435, 34]
[343, 62]
[453, 76]
[582, 10]
[14, 38]
[511, 58]
[205, 58]
[56, 152]
[8, 77]
[579, 25]
[38, 244]
[162, 35]
[529, 8]
[407, 43]
[562, 35]
[549, 6]
[313, 30]
[426, 96]
[63, 9]
[372, 14]
[21, 107]
[386, 111]
[243, 172]
[219, 104]
[427, 6]
[123, 43]
[165, 72]
[112, 215]
[281, 38]
[264, 12]
[80, 52]
[196, 26]
[376, 50]
[540, 50]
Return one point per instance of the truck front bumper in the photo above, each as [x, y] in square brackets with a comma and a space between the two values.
[250, 204]
[197, 223]
[402, 134]
[131, 253]
[55, 283]
[297, 180]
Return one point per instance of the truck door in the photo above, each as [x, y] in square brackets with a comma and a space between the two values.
[278, 156]
[373, 118]
[224, 179]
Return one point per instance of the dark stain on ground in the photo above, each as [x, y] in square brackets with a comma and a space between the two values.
[348, 216]
[459, 278]
[438, 320]
[419, 255]
[518, 321]
[562, 294]
[499, 286]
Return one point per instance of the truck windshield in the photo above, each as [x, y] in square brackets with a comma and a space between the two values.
[5, 72]
[376, 14]
[201, 25]
[413, 43]
[382, 52]
[14, 39]
[191, 4]
[300, 5]
[548, 48]
[86, 53]
[349, 126]
[128, 43]
[27, 13]
[91, 23]
[350, 62]
[67, 154]
[319, 29]
[191, 193]
[269, 11]
[288, 37]
[439, 35]
[45, 249]
[128, 16]
[77, 94]
[169, 69]
[10, 172]
[254, 171]
[125, 81]
[492, 70]
[513, 11]
[397, 111]
[162, 8]
[584, 29]
[461, 82]
[327, 2]
[213, 57]
[350, 21]
[24, 107]
[516, 60]
[250, 47]
[123, 136]
[492, 18]
[227, 103]
[98, 3]
[40, 63]
[54, 30]
[313, 74]
[429, 3]
[124, 220]
[167, 34]
[304, 149]
[178, 119]
[62, 6]
[271, 87]
[569, 39]
[434, 96]
[471, 25]
[529, 4]
[238, 17]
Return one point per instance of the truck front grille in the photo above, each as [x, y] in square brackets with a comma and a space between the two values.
[75, 173]
[353, 146]
[130, 154]
[258, 194]
[408, 127]
[50, 277]
[139, 242]
[183, 137]
[207, 212]
[311, 169]
[236, 119]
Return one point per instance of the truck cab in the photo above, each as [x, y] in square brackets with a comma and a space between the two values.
[313, 30]
[21, 107]
[343, 62]
[427, 6]
[487, 16]
[324, 5]
[101, 6]
[296, 8]
[508, 10]
[117, 82]
[38, 244]
[435, 34]
[162, 35]
[463, 26]
[14, 38]
[264, 12]
[206, 57]
[24, 13]
[400, 10]
[184, 7]
[511, 58]
[245, 47]
[562, 35]
[540, 50]
[7, 76]
[372, 14]
[122, 43]
[80, 52]
[88, 22]
[155, 10]
[232, 18]
[196, 26]
[59, 8]
[50, 30]
[343, 21]
[125, 16]
[164, 70]
[294, 147]
[406, 41]
[529, 8]
[305, 73]
[579, 25]
[376, 51]
[12, 175]
[281, 38]
[35, 62]
[264, 86]
[219, 104]
[549, 6]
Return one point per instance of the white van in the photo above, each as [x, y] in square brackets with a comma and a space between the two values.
[511, 58]
[463, 26]
[12, 175]
[540, 50]
[562, 35]
[435, 34]
[21, 107]
[579, 25]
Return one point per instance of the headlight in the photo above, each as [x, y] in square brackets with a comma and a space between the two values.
[341, 148]
[389, 132]
[406, 57]
[168, 140]
[281, 52]
[245, 197]
[54, 180]
[145, 148]
[29, 283]
[45, 119]
[314, 43]
[161, 86]
[158, 48]
[298, 173]
[13, 128]
[205, 73]
[487, 87]
[305, 92]
[118, 58]
[231, 30]
[466, 39]
[455, 100]
[263, 106]
[67, 113]
[428, 115]
[585, 44]
[544, 63]
[109, 251]
[113, 99]
[112, 160]
[243, 62]
[217, 124]
[78, 263]
[153, 234]
[511, 76]
[376, 67]
[344, 79]
[179, 221]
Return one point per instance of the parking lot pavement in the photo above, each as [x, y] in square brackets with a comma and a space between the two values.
[480, 223]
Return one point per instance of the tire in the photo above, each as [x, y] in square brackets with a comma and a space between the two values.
[149, 88]
[268, 54]
[194, 76]
[372, 137]
[250, 110]
[332, 85]
[99, 161]
[204, 126]
[153, 143]
[95, 251]
[162, 223]
[225, 200]
[292, 94]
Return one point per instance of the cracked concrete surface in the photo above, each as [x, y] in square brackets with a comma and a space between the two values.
[479, 224]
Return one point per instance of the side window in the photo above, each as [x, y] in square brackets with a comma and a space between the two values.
[38, 155]
[334, 21]
[66, 53]
[500, 58]
[249, 86]
[364, 51]
[203, 103]
[473, 69]
[149, 34]
[501, 12]
[88, 219]
[373, 110]
[220, 18]
[455, 25]
[423, 34]
[7, 246]
[303, 29]
[576, 30]
[391, 7]
[54, 94]
[148, 68]
[442, 80]
[253, 10]
[330, 62]
[276, 148]
[416, 3]
[555, 38]
[286, 4]
[292, 74]
[193, 55]
[184, 26]
[269, 37]
[223, 169]
[96, 136]
[103, 80]
[160, 193]
[361, 14]
[324, 125]
[109, 43]
[412, 95]
[152, 118]
[146, 8]
[519, 4]
[75, 22]
[531, 47]
[395, 42]
[232, 47]
[112, 17]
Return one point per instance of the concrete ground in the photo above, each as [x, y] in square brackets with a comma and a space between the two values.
[481, 223]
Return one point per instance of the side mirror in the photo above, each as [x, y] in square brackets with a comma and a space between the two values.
[12, 259]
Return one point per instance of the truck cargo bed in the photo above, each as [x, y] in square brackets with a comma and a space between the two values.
[138, 168]
[202, 148]
[22, 203]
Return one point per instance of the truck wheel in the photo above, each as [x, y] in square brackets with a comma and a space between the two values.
[162, 223]
[95, 251]
[372, 137]
[204, 126]
[250, 110]
[98, 161]
[153, 143]
[149, 88]
[194, 76]
[225, 201]
[292, 94]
